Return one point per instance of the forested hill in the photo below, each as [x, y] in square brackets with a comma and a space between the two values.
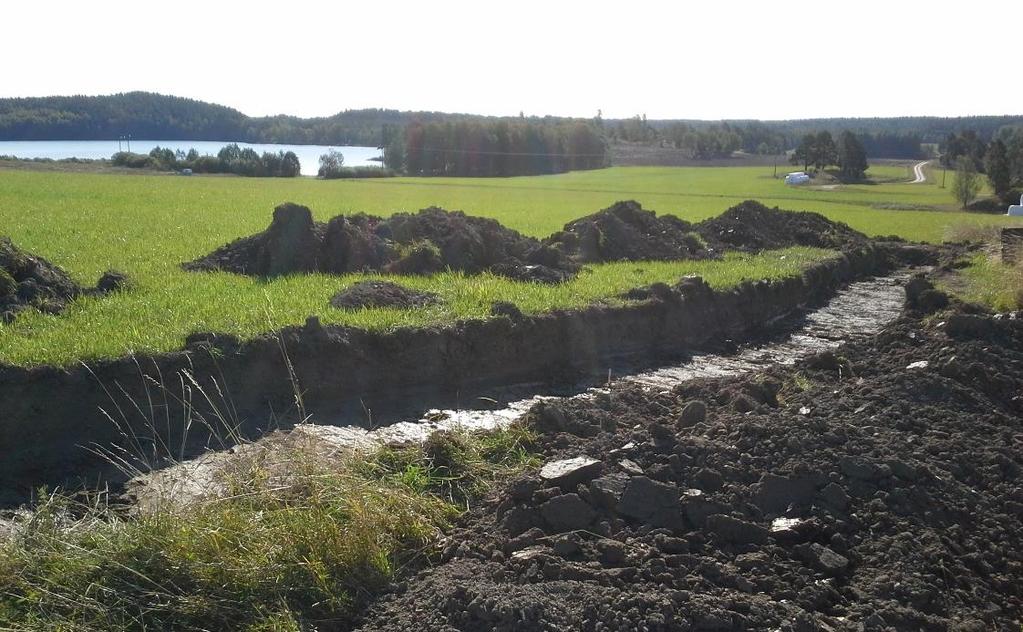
[158, 117]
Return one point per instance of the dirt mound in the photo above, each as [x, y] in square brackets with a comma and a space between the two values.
[426, 242]
[381, 294]
[626, 232]
[875, 487]
[752, 226]
[29, 281]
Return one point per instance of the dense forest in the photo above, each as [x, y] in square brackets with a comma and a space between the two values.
[496, 148]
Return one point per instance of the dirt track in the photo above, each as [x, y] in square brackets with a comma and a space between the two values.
[873, 488]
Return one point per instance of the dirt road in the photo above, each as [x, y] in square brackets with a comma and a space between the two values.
[918, 173]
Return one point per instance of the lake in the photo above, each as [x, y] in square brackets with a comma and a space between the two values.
[308, 155]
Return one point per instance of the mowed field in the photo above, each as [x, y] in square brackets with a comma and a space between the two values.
[147, 225]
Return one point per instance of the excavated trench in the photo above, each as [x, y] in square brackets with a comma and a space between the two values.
[862, 309]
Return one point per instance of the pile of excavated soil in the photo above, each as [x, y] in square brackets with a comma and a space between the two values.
[626, 232]
[29, 281]
[382, 294]
[434, 240]
[877, 487]
[426, 242]
[751, 226]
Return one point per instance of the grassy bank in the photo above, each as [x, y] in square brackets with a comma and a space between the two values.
[275, 549]
[147, 225]
[988, 281]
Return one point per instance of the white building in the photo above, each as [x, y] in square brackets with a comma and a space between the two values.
[1016, 210]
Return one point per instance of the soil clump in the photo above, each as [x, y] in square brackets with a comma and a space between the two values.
[430, 241]
[382, 294]
[874, 487]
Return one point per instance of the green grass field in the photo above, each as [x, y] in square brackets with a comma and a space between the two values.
[146, 225]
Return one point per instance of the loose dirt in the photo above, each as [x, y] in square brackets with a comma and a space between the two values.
[30, 281]
[426, 242]
[751, 226]
[434, 240]
[381, 294]
[626, 232]
[870, 487]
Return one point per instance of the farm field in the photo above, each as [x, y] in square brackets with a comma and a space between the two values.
[146, 225]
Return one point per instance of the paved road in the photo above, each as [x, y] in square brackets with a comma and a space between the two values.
[918, 172]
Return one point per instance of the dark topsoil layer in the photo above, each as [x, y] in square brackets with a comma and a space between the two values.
[433, 240]
[903, 485]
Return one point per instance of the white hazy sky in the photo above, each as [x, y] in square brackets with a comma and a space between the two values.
[709, 60]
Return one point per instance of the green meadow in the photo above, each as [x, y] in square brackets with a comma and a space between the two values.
[147, 225]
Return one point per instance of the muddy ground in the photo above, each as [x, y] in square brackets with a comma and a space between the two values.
[876, 487]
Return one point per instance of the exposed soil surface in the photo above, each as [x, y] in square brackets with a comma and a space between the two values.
[752, 226]
[381, 294]
[875, 487]
[626, 232]
[426, 242]
[29, 281]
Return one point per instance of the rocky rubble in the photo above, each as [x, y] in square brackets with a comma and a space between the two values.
[845, 493]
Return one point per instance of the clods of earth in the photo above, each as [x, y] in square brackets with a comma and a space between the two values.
[875, 487]
[29, 281]
[382, 294]
[434, 240]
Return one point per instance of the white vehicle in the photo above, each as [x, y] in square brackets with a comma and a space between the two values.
[797, 178]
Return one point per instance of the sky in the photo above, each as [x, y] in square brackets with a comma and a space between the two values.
[720, 59]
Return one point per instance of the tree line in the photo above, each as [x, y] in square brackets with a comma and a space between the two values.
[487, 148]
[230, 159]
[1000, 159]
[160, 117]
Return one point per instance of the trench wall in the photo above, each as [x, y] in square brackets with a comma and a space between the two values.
[49, 415]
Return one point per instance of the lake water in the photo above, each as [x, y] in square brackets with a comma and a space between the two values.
[308, 155]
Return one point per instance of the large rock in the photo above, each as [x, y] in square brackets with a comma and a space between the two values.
[567, 473]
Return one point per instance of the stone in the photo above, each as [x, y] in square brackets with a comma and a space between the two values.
[860, 469]
[654, 503]
[607, 490]
[774, 494]
[694, 412]
[834, 495]
[698, 509]
[568, 512]
[708, 480]
[567, 473]
[736, 531]
[823, 559]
